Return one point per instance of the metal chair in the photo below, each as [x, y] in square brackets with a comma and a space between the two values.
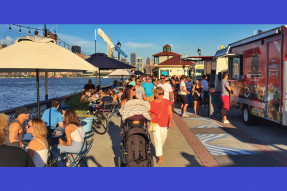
[86, 147]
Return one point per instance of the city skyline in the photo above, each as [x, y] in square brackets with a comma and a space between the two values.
[144, 40]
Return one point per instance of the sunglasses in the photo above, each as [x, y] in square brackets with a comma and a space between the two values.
[138, 81]
[134, 89]
[161, 94]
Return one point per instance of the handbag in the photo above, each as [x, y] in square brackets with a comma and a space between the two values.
[153, 126]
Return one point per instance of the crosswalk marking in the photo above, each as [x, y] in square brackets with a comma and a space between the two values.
[220, 150]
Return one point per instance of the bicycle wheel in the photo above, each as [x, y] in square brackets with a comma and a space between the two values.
[100, 124]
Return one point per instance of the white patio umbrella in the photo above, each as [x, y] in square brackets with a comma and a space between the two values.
[121, 72]
[40, 54]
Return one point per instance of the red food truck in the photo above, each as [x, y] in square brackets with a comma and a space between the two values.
[257, 68]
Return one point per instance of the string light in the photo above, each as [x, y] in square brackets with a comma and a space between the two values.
[36, 33]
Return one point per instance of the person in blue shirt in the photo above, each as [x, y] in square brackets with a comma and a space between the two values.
[115, 86]
[52, 117]
[149, 89]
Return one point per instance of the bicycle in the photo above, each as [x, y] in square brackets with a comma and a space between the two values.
[103, 117]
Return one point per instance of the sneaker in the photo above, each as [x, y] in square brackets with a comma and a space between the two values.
[225, 122]
[184, 115]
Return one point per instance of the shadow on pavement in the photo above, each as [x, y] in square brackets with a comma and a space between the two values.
[114, 133]
[190, 159]
[87, 159]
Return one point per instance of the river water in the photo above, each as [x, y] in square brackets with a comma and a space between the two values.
[15, 92]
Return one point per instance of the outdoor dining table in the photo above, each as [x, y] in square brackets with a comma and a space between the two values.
[24, 138]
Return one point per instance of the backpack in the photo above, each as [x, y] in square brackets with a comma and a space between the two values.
[136, 146]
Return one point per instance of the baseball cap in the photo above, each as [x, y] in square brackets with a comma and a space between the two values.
[21, 111]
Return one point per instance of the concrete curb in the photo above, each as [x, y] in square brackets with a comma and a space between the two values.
[204, 156]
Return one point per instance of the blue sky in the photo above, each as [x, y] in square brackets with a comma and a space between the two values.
[146, 40]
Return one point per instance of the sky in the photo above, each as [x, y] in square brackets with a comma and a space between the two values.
[145, 40]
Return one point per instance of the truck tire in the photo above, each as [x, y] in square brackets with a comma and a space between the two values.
[247, 116]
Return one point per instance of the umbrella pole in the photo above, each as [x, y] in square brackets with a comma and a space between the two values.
[38, 96]
[96, 79]
[46, 85]
[99, 77]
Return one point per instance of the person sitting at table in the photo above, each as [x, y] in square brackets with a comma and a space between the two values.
[38, 147]
[85, 97]
[52, 117]
[74, 134]
[11, 156]
[17, 127]
[107, 98]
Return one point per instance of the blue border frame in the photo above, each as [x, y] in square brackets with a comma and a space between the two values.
[143, 12]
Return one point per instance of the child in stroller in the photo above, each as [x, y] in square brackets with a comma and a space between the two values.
[136, 143]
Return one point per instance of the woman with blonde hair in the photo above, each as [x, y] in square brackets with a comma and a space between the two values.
[38, 147]
[11, 156]
[161, 114]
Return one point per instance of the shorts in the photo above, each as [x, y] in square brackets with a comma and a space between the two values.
[225, 102]
[150, 98]
[182, 99]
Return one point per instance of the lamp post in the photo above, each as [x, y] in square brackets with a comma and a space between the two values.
[199, 51]
[119, 45]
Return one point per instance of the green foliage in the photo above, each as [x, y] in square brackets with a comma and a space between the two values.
[74, 103]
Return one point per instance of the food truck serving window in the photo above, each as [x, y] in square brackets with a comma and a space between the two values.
[236, 67]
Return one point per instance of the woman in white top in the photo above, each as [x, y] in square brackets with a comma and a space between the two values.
[38, 147]
[74, 133]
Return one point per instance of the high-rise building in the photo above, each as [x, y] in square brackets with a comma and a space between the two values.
[124, 60]
[139, 65]
[147, 68]
[133, 59]
[76, 49]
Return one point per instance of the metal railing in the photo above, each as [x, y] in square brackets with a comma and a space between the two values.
[43, 106]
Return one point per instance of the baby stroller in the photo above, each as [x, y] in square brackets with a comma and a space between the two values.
[136, 144]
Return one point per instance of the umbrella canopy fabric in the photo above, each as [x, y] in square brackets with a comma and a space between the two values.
[121, 72]
[36, 52]
[103, 62]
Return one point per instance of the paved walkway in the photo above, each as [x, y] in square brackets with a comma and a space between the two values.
[199, 141]
[106, 149]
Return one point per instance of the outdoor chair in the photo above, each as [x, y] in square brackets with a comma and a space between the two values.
[76, 158]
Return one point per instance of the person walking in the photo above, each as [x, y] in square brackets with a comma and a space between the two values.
[225, 90]
[161, 113]
[188, 84]
[182, 94]
[168, 92]
[205, 90]
[148, 89]
[140, 93]
[197, 90]
[132, 81]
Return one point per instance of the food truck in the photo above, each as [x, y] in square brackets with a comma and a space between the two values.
[257, 68]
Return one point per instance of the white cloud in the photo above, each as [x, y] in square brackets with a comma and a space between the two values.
[8, 40]
[75, 40]
[138, 45]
